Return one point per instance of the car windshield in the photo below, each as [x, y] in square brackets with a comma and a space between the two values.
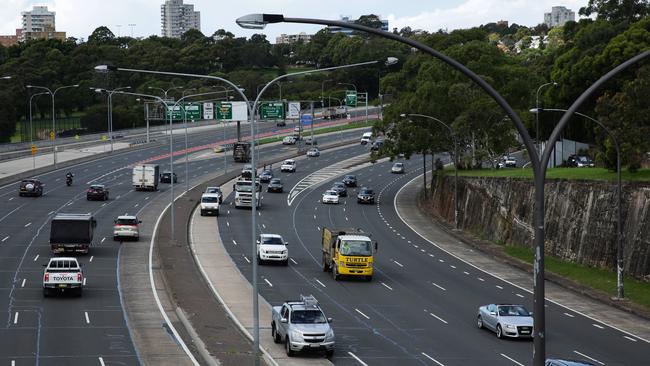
[350, 177]
[275, 181]
[366, 191]
[272, 240]
[307, 317]
[209, 199]
[126, 222]
[267, 172]
[330, 193]
[212, 190]
[96, 188]
[398, 165]
[356, 247]
[583, 159]
[513, 310]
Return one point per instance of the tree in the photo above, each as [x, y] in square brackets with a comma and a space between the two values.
[102, 35]
[617, 10]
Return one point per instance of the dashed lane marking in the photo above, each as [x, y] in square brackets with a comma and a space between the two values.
[16, 318]
[267, 281]
[438, 286]
[87, 318]
[320, 283]
[520, 295]
[357, 358]
[23, 284]
[598, 326]
[362, 314]
[437, 317]
[512, 360]
[91, 258]
[385, 285]
[499, 287]
[234, 242]
[246, 259]
[432, 359]
[585, 356]
[398, 263]
[103, 240]
[630, 338]
[5, 238]
[27, 224]
[101, 362]
[36, 258]
[569, 315]
[292, 260]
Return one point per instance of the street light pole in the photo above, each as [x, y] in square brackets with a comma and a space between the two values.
[539, 145]
[538, 163]
[110, 110]
[53, 94]
[453, 136]
[620, 292]
[31, 128]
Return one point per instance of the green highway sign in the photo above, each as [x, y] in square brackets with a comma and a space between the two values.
[224, 111]
[272, 110]
[351, 98]
[193, 112]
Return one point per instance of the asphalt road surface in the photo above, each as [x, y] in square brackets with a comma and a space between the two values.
[90, 330]
[421, 306]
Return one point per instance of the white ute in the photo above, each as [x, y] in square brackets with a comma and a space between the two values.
[288, 165]
[62, 274]
[210, 203]
[271, 247]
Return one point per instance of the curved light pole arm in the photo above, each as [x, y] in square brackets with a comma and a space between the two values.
[537, 115]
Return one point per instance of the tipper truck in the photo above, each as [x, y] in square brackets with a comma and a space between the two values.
[348, 252]
[241, 152]
[72, 233]
[146, 177]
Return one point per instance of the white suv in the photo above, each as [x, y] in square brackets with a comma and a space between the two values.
[271, 247]
[126, 226]
[210, 203]
[366, 138]
[288, 165]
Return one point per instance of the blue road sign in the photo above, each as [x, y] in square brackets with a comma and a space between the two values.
[306, 119]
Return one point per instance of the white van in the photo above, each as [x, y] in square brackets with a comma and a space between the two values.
[366, 137]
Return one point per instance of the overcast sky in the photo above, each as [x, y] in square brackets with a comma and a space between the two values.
[80, 17]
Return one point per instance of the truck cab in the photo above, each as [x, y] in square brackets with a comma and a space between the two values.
[302, 326]
[244, 193]
[62, 274]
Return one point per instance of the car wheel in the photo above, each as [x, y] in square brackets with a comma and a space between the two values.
[499, 331]
[79, 292]
[285, 263]
[369, 278]
[335, 273]
[287, 346]
[479, 322]
[329, 354]
[202, 213]
[46, 292]
[275, 335]
[217, 214]
[259, 260]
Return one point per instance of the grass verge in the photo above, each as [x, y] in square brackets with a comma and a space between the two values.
[603, 280]
[643, 175]
[321, 131]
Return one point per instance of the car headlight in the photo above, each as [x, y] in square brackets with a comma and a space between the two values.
[284, 252]
[329, 336]
[511, 327]
[296, 335]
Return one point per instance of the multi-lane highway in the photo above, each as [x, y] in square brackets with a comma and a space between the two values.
[421, 306]
[90, 330]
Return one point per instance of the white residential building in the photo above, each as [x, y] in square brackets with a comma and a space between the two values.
[177, 18]
[37, 21]
[293, 38]
[558, 16]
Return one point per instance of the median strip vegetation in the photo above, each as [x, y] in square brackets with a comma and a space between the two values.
[642, 175]
[636, 291]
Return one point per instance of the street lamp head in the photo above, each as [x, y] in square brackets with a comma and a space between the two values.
[391, 61]
[105, 68]
[258, 21]
[6, 77]
[403, 115]
[535, 110]
[98, 90]
[75, 85]
[29, 86]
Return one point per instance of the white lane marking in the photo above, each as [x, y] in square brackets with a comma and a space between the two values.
[264, 226]
[318, 227]
[465, 272]
[598, 326]
[454, 267]
[499, 287]
[247, 260]
[91, 258]
[36, 258]
[364, 315]
[480, 279]
[294, 262]
[585, 356]
[118, 197]
[16, 318]
[514, 361]
[431, 255]
[87, 318]
[27, 224]
[228, 211]
[259, 213]
[520, 295]
[84, 281]
[437, 317]
[101, 362]
[5, 238]
[146, 198]
[23, 284]
[441, 260]
[346, 219]
[103, 204]
[357, 358]
[630, 338]
[267, 281]
[234, 242]
[569, 315]
[51, 212]
[228, 223]
[438, 286]
[398, 263]
[314, 217]
[322, 284]
[103, 239]
[11, 199]
[432, 359]
[13, 362]
[136, 205]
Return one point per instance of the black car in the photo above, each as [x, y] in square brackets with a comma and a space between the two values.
[340, 189]
[376, 145]
[166, 177]
[275, 185]
[350, 180]
[580, 161]
[30, 187]
[366, 195]
[266, 176]
[97, 192]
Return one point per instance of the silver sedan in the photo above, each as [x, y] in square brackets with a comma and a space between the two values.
[506, 320]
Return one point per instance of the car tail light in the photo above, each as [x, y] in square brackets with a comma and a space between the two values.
[47, 277]
[79, 277]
